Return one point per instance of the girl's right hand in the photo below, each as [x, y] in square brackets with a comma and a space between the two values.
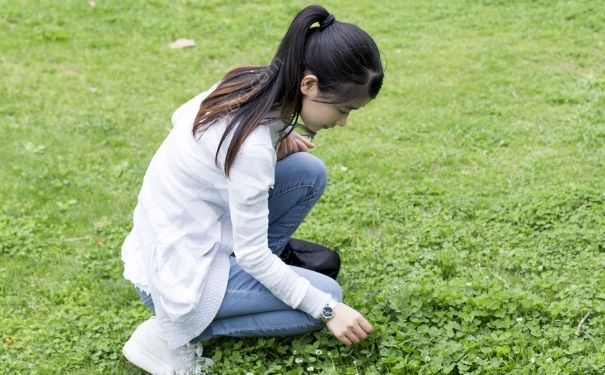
[348, 325]
[294, 142]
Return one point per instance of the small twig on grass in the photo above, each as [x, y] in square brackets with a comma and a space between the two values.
[74, 239]
[582, 322]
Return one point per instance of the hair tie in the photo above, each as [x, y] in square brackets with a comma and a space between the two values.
[326, 22]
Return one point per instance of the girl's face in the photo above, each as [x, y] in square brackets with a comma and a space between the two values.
[317, 115]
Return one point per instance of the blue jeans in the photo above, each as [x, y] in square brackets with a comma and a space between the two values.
[248, 308]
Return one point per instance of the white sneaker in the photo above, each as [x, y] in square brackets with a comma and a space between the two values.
[148, 350]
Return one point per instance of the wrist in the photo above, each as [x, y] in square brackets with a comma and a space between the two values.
[328, 311]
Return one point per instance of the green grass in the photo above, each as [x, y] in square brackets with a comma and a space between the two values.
[467, 201]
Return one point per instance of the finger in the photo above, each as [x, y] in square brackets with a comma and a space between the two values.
[301, 146]
[293, 146]
[359, 332]
[352, 337]
[307, 142]
[282, 146]
[287, 147]
[365, 325]
[345, 340]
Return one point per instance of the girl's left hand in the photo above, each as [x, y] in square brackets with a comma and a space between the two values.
[294, 142]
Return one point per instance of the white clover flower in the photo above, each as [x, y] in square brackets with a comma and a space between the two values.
[310, 368]
[318, 352]
[548, 360]
[427, 358]
[249, 373]
[519, 320]
[299, 360]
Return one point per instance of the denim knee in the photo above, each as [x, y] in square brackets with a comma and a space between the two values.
[331, 286]
[336, 291]
[322, 282]
[313, 169]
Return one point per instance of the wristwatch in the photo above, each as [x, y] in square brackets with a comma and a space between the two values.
[328, 311]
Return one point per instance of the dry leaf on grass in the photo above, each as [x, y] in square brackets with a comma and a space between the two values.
[182, 43]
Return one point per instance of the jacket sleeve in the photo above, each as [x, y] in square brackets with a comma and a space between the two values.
[250, 178]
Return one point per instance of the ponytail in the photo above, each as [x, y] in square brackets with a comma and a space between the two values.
[247, 94]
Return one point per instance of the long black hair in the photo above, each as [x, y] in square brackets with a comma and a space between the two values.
[343, 57]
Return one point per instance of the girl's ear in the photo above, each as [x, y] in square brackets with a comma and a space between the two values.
[309, 86]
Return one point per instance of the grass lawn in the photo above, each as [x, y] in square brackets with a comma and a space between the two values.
[467, 202]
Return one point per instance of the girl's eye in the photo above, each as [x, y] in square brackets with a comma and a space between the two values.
[343, 112]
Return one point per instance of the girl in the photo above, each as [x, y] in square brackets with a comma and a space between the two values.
[229, 186]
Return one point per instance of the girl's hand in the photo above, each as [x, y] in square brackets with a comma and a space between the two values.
[348, 325]
[294, 142]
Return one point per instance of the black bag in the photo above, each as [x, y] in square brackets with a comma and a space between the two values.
[311, 256]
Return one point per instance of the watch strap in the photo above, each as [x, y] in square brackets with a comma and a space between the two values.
[328, 311]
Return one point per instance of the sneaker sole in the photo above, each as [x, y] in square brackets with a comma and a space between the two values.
[140, 358]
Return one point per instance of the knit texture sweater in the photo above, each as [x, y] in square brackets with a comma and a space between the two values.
[190, 217]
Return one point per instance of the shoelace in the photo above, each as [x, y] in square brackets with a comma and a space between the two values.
[192, 354]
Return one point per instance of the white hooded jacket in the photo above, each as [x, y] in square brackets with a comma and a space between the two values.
[190, 217]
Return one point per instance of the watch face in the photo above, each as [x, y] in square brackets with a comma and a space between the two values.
[327, 312]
